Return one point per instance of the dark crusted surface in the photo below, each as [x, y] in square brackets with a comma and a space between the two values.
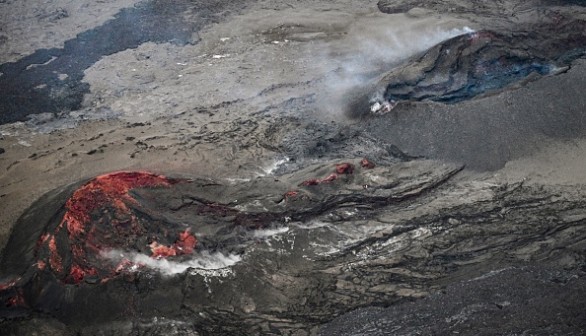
[510, 301]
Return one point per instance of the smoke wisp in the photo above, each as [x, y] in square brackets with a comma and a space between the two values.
[377, 47]
[204, 260]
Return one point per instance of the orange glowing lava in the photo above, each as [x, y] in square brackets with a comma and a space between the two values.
[99, 215]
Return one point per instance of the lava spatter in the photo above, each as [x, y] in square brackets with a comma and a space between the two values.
[98, 216]
[9, 284]
[344, 168]
[341, 169]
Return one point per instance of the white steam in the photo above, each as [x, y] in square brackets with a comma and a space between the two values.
[373, 48]
[274, 166]
[203, 261]
[379, 48]
[391, 47]
[267, 233]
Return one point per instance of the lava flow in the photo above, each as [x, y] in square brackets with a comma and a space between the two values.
[99, 217]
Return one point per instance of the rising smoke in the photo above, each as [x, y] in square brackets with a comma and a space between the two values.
[203, 260]
[378, 45]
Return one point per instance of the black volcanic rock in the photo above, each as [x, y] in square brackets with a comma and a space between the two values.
[462, 68]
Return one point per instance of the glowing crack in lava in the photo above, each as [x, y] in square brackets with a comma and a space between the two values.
[98, 217]
[341, 169]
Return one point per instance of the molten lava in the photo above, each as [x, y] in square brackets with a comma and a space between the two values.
[312, 182]
[100, 216]
[365, 163]
[341, 169]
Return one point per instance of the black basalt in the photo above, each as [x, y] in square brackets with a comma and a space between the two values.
[32, 85]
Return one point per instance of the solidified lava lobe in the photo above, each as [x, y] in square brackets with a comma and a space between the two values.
[467, 66]
[100, 216]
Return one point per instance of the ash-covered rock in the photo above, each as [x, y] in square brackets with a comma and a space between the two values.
[347, 222]
[305, 142]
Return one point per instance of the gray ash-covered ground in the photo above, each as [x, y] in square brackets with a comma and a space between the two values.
[243, 186]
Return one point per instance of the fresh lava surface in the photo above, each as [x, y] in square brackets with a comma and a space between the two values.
[103, 215]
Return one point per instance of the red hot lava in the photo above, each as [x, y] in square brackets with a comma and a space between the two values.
[184, 245]
[99, 217]
[327, 179]
[341, 169]
[344, 168]
[365, 163]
